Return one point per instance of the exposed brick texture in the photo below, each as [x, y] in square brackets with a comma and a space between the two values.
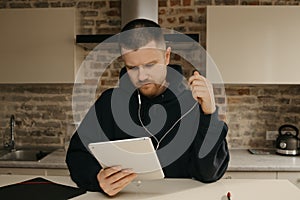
[254, 109]
[43, 111]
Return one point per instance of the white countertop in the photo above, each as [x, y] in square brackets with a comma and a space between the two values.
[172, 189]
[240, 160]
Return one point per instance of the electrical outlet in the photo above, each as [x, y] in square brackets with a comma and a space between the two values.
[272, 135]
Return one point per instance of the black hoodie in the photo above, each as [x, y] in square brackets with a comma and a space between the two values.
[195, 147]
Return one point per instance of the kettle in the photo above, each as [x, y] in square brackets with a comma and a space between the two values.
[288, 143]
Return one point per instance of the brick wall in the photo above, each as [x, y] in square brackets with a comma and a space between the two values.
[254, 109]
[43, 111]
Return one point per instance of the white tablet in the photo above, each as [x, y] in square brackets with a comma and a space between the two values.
[137, 154]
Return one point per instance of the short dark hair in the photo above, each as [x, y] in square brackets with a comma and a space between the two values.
[139, 32]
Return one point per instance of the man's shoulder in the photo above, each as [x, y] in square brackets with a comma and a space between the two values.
[107, 94]
[104, 97]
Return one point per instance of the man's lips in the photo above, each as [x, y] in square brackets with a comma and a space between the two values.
[144, 84]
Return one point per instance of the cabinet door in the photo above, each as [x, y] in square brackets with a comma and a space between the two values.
[293, 177]
[37, 45]
[250, 175]
[254, 44]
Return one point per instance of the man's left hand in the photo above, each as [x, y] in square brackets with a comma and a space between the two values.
[202, 92]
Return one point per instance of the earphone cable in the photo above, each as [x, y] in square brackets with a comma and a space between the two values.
[149, 132]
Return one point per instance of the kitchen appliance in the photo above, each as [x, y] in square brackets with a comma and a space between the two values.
[288, 142]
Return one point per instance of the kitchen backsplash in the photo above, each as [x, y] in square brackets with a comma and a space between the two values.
[43, 112]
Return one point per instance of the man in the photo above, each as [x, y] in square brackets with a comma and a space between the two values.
[148, 81]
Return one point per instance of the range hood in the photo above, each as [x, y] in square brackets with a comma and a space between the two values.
[133, 9]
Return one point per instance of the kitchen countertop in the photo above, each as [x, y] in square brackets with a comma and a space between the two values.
[54, 160]
[241, 160]
[246, 189]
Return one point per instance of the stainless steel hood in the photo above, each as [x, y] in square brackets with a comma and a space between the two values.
[132, 9]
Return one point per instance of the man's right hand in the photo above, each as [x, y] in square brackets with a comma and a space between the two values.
[113, 179]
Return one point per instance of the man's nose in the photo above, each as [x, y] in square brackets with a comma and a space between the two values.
[143, 75]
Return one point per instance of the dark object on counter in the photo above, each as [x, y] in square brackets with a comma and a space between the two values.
[262, 151]
[288, 143]
[39, 188]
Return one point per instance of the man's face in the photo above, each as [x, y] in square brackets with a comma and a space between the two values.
[147, 69]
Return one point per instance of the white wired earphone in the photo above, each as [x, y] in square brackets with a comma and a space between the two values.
[159, 141]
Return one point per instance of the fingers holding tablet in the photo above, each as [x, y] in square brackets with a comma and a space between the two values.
[113, 179]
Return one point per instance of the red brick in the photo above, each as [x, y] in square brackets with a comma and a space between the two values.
[249, 2]
[194, 29]
[186, 2]
[109, 82]
[181, 19]
[171, 20]
[237, 91]
[220, 100]
[186, 10]
[3, 5]
[115, 4]
[85, 4]
[111, 30]
[201, 10]
[174, 2]
[69, 4]
[202, 2]
[162, 3]
[181, 29]
[99, 4]
[55, 4]
[160, 20]
[115, 72]
[162, 11]
[41, 4]
[113, 13]
[19, 5]
[89, 13]
[241, 100]
[90, 81]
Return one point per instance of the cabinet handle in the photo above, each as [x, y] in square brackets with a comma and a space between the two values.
[228, 177]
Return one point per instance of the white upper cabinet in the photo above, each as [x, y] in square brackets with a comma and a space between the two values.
[255, 44]
[37, 45]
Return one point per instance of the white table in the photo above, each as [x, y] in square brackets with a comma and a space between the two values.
[172, 189]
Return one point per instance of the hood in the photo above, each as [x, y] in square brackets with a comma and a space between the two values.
[131, 9]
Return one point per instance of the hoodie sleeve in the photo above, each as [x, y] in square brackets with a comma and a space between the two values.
[210, 155]
[82, 165]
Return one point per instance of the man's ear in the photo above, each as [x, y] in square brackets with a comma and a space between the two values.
[167, 56]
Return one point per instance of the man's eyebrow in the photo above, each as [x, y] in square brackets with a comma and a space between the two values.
[152, 61]
[131, 66]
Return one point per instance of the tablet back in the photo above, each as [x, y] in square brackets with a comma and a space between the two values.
[137, 154]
